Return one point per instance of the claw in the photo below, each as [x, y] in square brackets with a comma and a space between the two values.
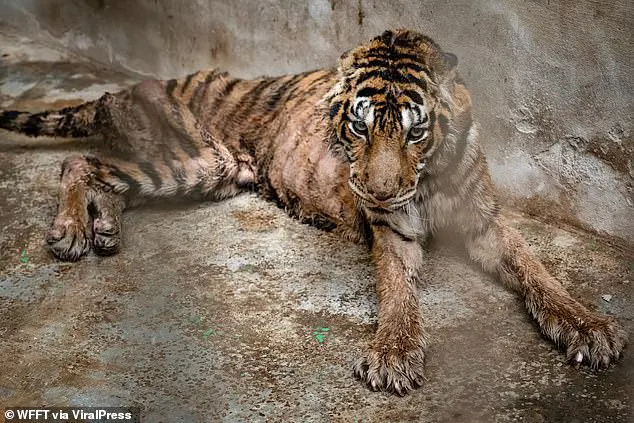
[578, 357]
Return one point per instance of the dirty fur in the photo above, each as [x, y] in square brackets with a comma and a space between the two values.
[384, 149]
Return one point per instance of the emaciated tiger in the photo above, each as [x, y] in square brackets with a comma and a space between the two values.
[383, 149]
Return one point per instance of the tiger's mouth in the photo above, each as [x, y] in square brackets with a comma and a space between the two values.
[381, 206]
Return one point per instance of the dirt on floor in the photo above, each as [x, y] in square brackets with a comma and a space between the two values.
[233, 311]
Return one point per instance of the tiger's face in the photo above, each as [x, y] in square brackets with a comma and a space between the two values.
[388, 116]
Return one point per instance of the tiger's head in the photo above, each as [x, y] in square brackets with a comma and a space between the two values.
[389, 112]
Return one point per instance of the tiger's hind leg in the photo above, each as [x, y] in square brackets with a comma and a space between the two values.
[95, 191]
[158, 149]
[105, 210]
[69, 235]
[88, 213]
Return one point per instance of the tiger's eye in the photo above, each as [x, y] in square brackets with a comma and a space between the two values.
[417, 134]
[359, 127]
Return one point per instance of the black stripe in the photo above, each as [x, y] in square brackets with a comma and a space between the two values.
[188, 81]
[227, 90]
[149, 170]
[296, 79]
[374, 73]
[133, 184]
[334, 109]
[189, 147]
[416, 111]
[249, 99]
[392, 64]
[8, 118]
[254, 94]
[386, 37]
[369, 91]
[64, 125]
[283, 92]
[346, 106]
[92, 160]
[179, 176]
[342, 133]
[318, 80]
[373, 63]
[393, 55]
[201, 89]
[277, 95]
[316, 84]
[33, 125]
[170, 87]
[416, 97]
[416, 67]
[218, 99]
[420, 82]
[432, 117]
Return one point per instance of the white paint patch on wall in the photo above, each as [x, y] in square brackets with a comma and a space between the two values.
[13, 88]
[601, 199]
[519, 174]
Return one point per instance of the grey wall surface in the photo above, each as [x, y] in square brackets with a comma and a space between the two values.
[552, 80]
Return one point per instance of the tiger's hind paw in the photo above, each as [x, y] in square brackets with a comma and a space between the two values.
[107, 236]
[68, 238]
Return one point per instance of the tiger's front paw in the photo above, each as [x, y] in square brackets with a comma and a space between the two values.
[593, 340]
[68, 237]
[391, 370]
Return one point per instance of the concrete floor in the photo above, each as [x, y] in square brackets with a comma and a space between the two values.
[210, 312]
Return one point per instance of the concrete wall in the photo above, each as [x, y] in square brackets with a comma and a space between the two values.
[552, 80]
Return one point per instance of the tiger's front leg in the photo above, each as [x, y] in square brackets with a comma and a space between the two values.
[394, 360]
[586, 337]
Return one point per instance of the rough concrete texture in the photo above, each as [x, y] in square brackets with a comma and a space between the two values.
[552, 80]
[210, 311]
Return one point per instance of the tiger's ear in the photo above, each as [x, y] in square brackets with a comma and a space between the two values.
[451, 60]
[448, 72]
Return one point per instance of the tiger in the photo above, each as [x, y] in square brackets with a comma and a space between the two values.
[381, 149]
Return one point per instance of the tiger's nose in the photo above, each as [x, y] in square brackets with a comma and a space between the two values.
[380, 195]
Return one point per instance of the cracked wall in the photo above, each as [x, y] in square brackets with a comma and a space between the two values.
[552, 81]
